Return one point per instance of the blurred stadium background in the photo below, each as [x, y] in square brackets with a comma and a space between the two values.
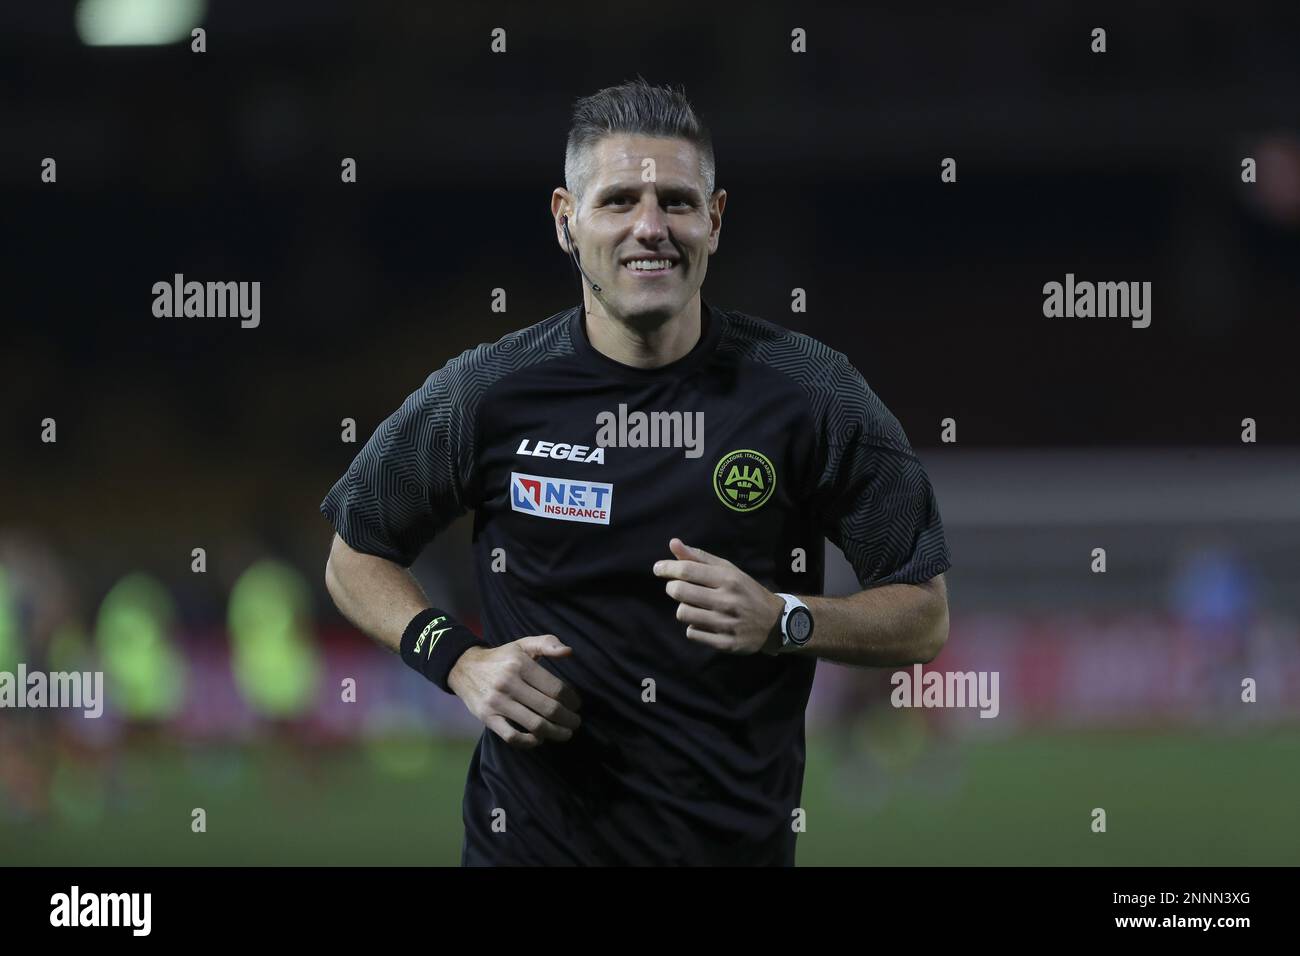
[1118, 690]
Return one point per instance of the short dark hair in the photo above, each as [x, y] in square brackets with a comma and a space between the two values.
[639, 108]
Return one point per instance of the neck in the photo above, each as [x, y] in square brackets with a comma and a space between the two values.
[648, 344]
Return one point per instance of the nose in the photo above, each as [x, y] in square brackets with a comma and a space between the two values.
[651, 223]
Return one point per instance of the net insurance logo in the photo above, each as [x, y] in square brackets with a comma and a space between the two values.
[561, 498]
[744, 480]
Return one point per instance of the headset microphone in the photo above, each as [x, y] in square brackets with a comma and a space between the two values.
[573, 252]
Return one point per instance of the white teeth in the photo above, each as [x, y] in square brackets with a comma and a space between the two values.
[648, 265]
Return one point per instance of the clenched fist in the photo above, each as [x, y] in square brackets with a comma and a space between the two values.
[513, 695]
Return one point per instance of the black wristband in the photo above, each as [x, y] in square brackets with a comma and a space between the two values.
[433, 642]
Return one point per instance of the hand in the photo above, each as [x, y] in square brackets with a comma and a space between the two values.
[504, 684]
[721, 605]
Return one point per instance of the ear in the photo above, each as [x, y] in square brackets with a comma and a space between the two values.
[716, 204]
[561, 209]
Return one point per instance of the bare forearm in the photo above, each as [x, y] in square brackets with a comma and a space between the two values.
[882, 627]
[376, 595]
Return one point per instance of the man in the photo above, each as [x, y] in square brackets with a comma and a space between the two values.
[652, 478]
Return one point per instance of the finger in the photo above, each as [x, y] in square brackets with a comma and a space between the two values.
[535, 675]
[718, 641]
[548, 707]
[534, 723]
[707, 574]
[543, 645]
[688, 553]
[710, 621]
[679, 547]
[712, 599]
[515, 738]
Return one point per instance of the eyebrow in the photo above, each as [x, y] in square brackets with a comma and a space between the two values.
[673, 191]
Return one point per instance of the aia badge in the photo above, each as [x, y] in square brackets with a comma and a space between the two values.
[563, 499]
[744, 479]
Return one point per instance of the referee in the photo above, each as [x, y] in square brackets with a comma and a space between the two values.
[652, 478]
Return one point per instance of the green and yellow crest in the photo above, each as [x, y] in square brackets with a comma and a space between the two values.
[744, 479]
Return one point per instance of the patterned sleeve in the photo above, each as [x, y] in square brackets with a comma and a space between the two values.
[408, 482]
[873, 497]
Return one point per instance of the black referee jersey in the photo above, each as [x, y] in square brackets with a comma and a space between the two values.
[686, 755]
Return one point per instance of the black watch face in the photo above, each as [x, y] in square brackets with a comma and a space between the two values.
[799, 625]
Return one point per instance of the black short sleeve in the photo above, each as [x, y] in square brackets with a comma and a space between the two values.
[873, 497]
[408, 482]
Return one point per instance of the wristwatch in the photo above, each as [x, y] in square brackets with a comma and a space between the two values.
[796, 622]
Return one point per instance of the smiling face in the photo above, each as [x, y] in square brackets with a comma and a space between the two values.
[645, 243]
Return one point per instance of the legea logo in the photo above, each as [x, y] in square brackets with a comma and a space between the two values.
[562, 450]
[561, 498]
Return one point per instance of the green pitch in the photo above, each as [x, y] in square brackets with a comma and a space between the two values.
[1170, 799]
